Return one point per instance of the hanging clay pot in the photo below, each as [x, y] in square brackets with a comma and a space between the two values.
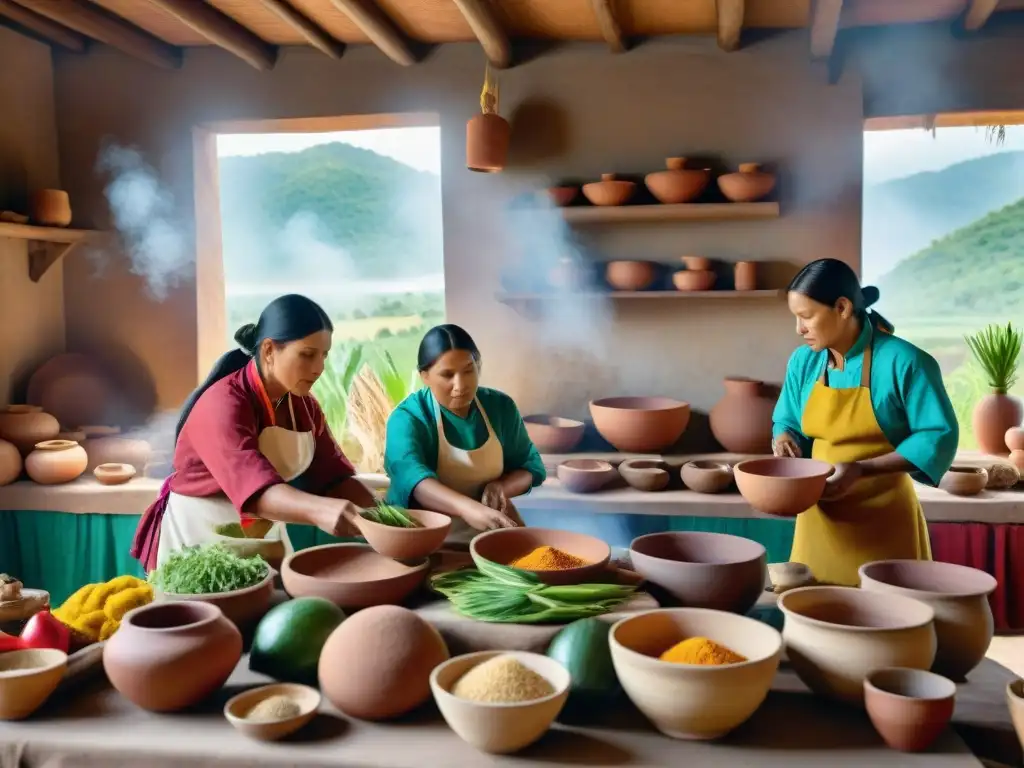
[117, 450]
[993, 416]
[742, 420]
[609, 190]
[749, 185]
[678, 184]
[745, 275]
[10, 462]
[487, 134]
[56, 461]
[26, 425]
[50, 208]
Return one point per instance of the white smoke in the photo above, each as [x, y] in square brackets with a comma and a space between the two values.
[303, 244]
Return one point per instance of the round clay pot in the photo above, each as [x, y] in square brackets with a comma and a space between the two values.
[1014, 438]
[562, 196]
[506, 545]
[169, 656]
[745, 275]
[706, 476]
[742, 420]
[117, 450]
[697, 263]
[693, 280]
[26, 425]
[630, 275]
[114, 474]
[677, 184]
[609, 190]
[645, 474]
[781, 486]
[10, 463]
[553, 434]
[56, 461]
[50, 208]
[964, 481]
[993, 416]
[957, 594]
[487, 139]
[585, 475]
[909, 708]
[640, 424]
[749, 185]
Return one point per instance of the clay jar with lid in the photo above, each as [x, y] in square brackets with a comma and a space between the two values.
[748, 185]
[26, 425]
[10, 462]
[678, 184]
[742, 420]
[167, 656]
[56, 461]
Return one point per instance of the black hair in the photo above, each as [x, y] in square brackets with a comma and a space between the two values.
[441, 339]
[826, 281]
[285, 319]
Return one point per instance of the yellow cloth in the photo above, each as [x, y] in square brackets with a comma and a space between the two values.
[881, 517]
[95, 610]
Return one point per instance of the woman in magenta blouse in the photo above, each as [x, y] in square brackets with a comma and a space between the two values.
[253, 446]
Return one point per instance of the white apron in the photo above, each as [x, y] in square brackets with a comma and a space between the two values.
[190, 521]
[467, 472]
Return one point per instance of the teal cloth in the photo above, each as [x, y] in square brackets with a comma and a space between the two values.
[907, 394]
[410, 449]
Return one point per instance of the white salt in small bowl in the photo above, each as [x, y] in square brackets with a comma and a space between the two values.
[237, 707]
[499, 728]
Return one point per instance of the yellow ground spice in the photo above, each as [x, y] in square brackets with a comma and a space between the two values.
[548, 559]
[700, 650]
[502, 680]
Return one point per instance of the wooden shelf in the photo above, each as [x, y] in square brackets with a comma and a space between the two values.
[526, 303]
[46, 245]
[610, 214]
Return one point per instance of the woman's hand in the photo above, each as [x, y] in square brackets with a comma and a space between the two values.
[336, 519]
[483, 518]
[494, 497]
[841, 481]
[786, 446]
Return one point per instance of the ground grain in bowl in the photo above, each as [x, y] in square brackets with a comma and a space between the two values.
[502, 680]
[274, 708]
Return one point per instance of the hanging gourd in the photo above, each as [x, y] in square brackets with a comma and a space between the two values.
[487, 134]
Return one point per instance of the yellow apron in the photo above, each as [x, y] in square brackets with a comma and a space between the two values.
[881, 517]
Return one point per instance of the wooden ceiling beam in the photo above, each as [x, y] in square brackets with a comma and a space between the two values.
[381, 30]
[608, 23]
[488, 31]
[314, 34]
[222, 31]
[50, 31]
[977, 14]
[92, 21]
[730, 23]
[825, 27]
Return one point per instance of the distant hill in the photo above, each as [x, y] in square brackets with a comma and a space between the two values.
[333, 211]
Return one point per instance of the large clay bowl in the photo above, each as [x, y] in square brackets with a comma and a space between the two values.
[407, 543]
[505, 545]
[585, 475]
[780, 486]
[243, 607]
[27, 678]
[687, 701]
[350, 575]
[703, 570]
[640, 424]
[957, 594]
[648, 475]
[706, 476]
[909, 708]
[553, 434]
[837, 636]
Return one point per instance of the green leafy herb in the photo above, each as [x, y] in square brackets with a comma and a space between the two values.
[386, 514]
[233, 530]
[997, 350]
[499, 594]
[208, 569]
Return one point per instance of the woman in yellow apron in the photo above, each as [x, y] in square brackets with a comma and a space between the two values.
[873, 405]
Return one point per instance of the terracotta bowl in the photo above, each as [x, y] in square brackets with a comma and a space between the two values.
[678, 184]
[645, 474]
[630, 275]
[707, 476]
[782, 487]
[640, 424]
[964, 481]
[585, 475]
[909, 708]
[562, 196]
[505, 545]
[693, 279]
[243, 607]
[687, 701]
[836, 636]
[553, 434]
[1015, 703]
[703, 570]
[957, 594]
[748, 185]
[787, 576]
[27, 678]
[237, 707]
[697, 263]
[499, 728]
[351, 575]
[609, 190]
[114, 474]
[407, 543]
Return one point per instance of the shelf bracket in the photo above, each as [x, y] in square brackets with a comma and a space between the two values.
[43, 255]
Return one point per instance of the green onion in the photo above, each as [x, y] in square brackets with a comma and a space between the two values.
[208, 569]
[387, 514]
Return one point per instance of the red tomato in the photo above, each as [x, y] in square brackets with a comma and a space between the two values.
[45, 631]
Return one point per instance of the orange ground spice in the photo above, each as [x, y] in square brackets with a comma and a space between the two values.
[548, 559]
[700, 650]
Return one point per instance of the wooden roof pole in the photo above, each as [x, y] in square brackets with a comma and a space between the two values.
[309, 29]
[730, 23]
[49, 30]
[824, 27]
[381, 30]
[222, 31]
[608, 22]
[488, 31]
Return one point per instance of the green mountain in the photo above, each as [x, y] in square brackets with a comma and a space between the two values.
[331, 212]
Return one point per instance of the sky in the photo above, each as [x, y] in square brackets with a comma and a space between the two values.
[895, 154]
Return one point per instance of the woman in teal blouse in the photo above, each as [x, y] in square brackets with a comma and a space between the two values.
[875, 407]
[458, 448]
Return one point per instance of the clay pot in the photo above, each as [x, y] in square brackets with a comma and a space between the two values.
[640, 424]
[56, 461]
[10, 463]
[742, 420]
[26, 425]
[609, 190]
[506, 545]
[117, 450]
[745, 275]
[1014, 438]
[780, 486]
[957, 594]
[677, 184]
[693, 280]
[562, 196]
[993, 416]
[114, 474]
[553, 434]
[645, 474]
[487, 140]
[964, 481]
[697, 263]
[909, 708]
[585, 475]
[706, 476]
[169, 656]
[50, 208]
[748, 185]
[242, 607]
[630, 275]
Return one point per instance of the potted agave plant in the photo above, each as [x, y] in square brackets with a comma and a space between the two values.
[997, 351]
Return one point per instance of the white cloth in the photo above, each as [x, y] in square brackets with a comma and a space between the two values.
[190, 521]
[467, 471]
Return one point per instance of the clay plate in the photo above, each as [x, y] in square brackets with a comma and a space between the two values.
[351, 575]
[504, 545]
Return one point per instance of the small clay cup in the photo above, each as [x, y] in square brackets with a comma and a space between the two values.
[553, 434]
[964, 481]
[114, 474]
[237, 708]
[688, 280]
[585, 475]
[630, 275]
[648, 475]
[609, 190]
[707, 476]
[50, 208]
[909, 708]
